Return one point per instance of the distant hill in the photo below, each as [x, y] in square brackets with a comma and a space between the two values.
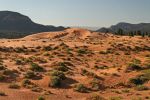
[86, 27]
[127, 27]
[14, 25]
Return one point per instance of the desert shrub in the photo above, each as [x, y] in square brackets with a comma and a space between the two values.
[28, 60]
[109, 51]
[41, 60]
[47, 48]
[96, 97]
[141, 88]
[69, 51]
[38, 47]
[87, 73]
[36, 89]
[116, 91]
[116, 98]
[148, 55]
[84, 71]
[147, 66]
[101, 67]
[2, 93]
[127, 53]
[36, 67]
[55, 81]
[2, 77]
[26, 82]
[139, 80]
[20, 49]
[14, 86]
[81, 88]
[30, 74]
[82, 51]
[46, 54]
[133, 67]
[126, 91]
[41, 98]
[95, 85]
[103, 52]
[59, 74]
[2, 67]
[19, 62]
[136, 61]
[33, 50]
[7, 72]
[61, 67]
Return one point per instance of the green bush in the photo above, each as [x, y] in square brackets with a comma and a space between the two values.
[47, 48]
[82, 51]
[126, 91]
[36, 67]
[2, 77]
[36, 89]
[14, 86]
[133, 67]
[87, 73]
[30, 74]
[95, 84]
[2, 93]
[61, 67]
[102, 52]
[141, 88]
[26, 82]
[136, 61]
[139, 80]
[59, 74]
[81, 88]
[7, 72]
[55, 81]
[96, 97]
[116, 98]
[41, 98]
[2, 67]
[19, 62]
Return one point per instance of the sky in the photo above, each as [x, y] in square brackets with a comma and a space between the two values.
[92, 13]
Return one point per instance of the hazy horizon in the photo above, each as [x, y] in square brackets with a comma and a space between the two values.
[89, 13]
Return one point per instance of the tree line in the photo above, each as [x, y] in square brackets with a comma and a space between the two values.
[132, 33]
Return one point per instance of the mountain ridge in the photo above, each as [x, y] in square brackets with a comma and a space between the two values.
[127, 27]
[15, 24]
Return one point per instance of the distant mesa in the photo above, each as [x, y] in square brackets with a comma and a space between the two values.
[13, 25]
[127, 27]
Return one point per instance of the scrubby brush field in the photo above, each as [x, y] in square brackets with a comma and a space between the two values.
[75, 64]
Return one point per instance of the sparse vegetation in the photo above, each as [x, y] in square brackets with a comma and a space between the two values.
[59, 74]
[14, 86]
[133, 67]
[2, 77]
[36, 67]
[116, 98]
[108, 65]
[139, 80]
[30, 74]
[41, 98]
[141, 88]
[2, 93]
[61, 67]
[55, 81]
[81, 88]
[96, 97]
